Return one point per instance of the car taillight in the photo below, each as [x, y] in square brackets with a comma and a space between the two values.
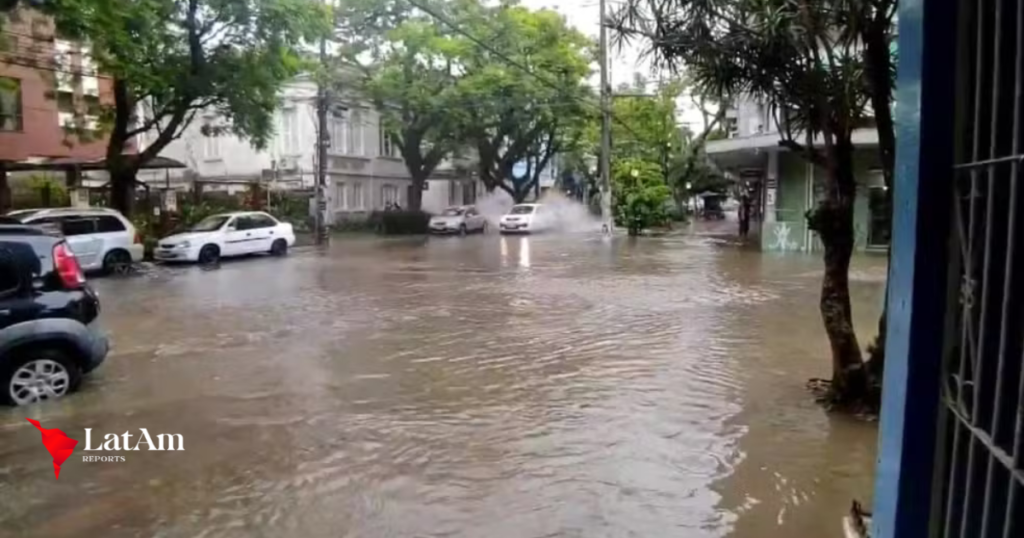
[68, 270]
[138, 238]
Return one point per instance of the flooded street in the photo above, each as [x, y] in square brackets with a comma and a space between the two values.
[486, 386]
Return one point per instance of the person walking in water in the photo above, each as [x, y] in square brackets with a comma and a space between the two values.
[744, 215]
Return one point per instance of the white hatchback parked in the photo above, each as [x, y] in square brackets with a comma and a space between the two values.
[101, 238]
[227, 234]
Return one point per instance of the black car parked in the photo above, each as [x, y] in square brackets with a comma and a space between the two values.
[47, 336]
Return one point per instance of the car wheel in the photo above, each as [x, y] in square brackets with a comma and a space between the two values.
[462, 229]
[37, 374]
[117, 262]
[209, 254]
[279, 247]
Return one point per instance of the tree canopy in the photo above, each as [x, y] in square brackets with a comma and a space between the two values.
[170, 59]
[816, 65]
[500, 85]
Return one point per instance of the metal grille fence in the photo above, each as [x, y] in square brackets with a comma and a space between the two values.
[983, 424]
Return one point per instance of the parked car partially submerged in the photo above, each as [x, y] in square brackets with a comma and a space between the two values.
[225, 235]
[458, 219]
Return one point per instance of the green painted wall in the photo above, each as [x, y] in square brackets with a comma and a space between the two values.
[788, 232]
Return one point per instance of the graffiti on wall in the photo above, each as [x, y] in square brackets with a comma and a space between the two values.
[782, 238]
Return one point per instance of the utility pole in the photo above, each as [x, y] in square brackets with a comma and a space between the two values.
[606, 128]
[322, 141]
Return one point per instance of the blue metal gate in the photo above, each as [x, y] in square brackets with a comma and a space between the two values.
[983, 424]
[952, 430]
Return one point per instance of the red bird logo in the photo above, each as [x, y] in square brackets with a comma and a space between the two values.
[59, 445]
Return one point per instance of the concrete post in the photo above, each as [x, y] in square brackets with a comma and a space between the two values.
[771, 185]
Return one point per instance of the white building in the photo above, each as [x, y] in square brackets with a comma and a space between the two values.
[365, 171]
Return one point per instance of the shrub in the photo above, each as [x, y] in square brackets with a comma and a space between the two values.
[640, 195]
[400, 222]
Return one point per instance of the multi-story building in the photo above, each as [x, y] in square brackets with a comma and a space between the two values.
[784, 185]
[364, 168]
[49, 94]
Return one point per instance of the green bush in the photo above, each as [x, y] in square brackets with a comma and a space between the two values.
[640, 195]
[400, 222]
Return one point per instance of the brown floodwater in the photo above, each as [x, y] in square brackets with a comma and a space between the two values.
[481, 386]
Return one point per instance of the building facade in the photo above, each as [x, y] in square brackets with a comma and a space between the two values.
[785, 186]
[364, 169]
[49, 94]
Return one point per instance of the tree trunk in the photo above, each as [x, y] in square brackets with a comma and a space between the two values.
[5, 190]
[415, 202]
[122, 191]
[833, 221]
[878, 68]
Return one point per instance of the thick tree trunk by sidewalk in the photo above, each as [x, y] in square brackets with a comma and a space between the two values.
[5, 190]
[878, 68]
[122, 191]
[832, 219]
[415, 201]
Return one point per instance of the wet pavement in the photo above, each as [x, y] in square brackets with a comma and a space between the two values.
[480, 386]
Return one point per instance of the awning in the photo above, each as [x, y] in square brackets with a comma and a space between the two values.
[71, 163]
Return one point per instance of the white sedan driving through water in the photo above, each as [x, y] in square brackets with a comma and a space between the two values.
[225, 235]
[526, 218]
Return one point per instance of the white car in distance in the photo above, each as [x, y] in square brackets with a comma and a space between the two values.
[458, 219]
[101, 238]
[227, 235]
[526, 218]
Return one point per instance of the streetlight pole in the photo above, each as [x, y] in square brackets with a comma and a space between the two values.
[606, 132]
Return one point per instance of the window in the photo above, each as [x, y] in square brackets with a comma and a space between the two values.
[290, 131]
[244, 222]
[211, 147]
[454, 192]
[355, 125]
[107, 224]
[10, 281]
[340, 200]
[878, 228]
[387, 145]
[389, 195]
[64, 73]
[357, 196]
[262, 221]
[10, 104]
[77, 226]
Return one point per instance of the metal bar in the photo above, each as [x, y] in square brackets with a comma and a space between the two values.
[986, 162]
[968, 306]
[999, 454]
[986, 505]
[1018, 430]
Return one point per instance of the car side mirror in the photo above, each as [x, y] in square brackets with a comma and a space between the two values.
[231, 227]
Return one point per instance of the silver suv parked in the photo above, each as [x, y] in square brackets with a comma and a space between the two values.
[102, 239]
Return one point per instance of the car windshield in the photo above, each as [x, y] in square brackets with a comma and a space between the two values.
[522, 210]
[210, 224]
[453, 212]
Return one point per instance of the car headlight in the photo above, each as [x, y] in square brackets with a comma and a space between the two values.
[184, 244]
